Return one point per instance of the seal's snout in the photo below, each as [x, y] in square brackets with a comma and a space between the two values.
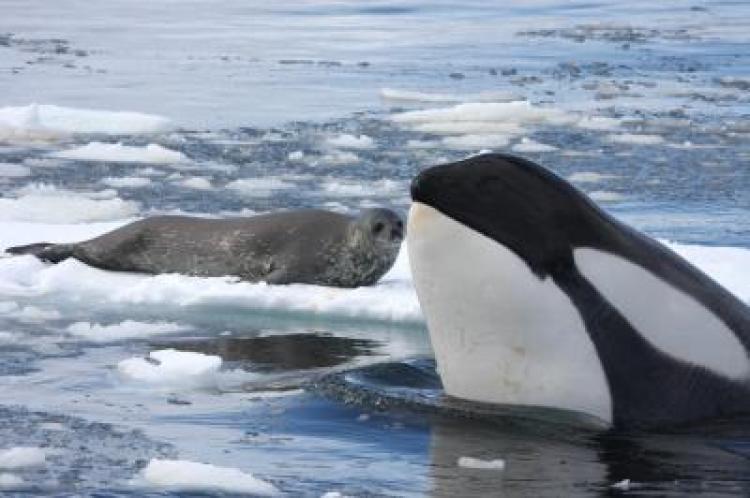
[397, 231]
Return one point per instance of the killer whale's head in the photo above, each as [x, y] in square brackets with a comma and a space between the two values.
[519, 204]
[484, 236]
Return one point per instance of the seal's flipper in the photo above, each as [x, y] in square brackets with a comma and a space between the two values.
[54, 253]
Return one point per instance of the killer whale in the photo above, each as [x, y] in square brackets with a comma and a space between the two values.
[534, 295]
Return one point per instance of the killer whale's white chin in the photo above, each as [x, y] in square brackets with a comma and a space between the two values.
[500, 334]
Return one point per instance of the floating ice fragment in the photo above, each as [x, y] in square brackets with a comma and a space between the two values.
[184, 475]
[347, 141]
[20, 457]
[98, 151]
[623, 485]
[8, 480]
[127, 181]
[169, 367]
[528, 145]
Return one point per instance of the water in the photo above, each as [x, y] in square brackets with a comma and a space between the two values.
[331, 390]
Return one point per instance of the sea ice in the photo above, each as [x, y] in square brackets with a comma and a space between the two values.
[260, 187]
[605, 196]
[36, 122]
[127, 181]
[184, 475]
[172, 368]
[527, 145]
[197, 183]
[635, 139]
[8, 480]
[98, 151]
[49, 204]
[347, 141]
[20, 457]
[11, 170]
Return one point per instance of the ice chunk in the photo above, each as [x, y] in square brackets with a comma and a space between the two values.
[476, 463]
[128, 329]
[260, 187]
[347, 141]
[50, 122]
[98, 151]
[184, 475]
[20, 457]
[46, 203]
[623, 485]
[172, 368]
[127, 181]
[635, 139]
[197, 183]
[396, 95]
[8, 480]
[528, 145]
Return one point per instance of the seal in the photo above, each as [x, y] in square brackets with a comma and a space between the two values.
[533, 295]
[304, 246]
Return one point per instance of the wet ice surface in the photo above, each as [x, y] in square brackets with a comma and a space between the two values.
[245, 108]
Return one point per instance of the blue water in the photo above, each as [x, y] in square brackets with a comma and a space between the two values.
[360, 409]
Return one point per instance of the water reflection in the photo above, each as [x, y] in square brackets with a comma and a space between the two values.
[275, 353]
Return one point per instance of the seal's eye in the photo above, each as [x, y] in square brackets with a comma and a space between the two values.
[378, 227]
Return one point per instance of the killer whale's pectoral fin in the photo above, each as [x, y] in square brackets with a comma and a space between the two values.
[649, 387]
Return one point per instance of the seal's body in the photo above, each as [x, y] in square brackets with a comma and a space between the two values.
[535, 296]
[304, 246]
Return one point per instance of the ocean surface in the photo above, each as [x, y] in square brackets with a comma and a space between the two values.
[127, 384]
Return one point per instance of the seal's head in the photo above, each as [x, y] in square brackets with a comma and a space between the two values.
[382, 227]
[374, 243]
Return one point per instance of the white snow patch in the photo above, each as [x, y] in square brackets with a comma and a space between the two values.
[11, 170]
[128, 329]
[527, 145]
[347, 141]
[33, 314]
[184, 475]
[635, 139]
[127, 181]
[20, 457]
[39, 122]
[260, 187]
[197, 183]
[476, 463]
[98, 151]
[605, 196]
[49, 204]
[8, 480]
[172, 368]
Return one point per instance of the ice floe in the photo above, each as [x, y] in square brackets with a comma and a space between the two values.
[347, 141]
[173, 369]
[8, 480]
[590, 177]
[260, 187]
[40, 122]
[50, 204]
[196, 183]
[20, 457]
[635, 139]
[527, 145]
[185, 475]
[605, 196]
[127, 181]
[396, 95]
[117, 152]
